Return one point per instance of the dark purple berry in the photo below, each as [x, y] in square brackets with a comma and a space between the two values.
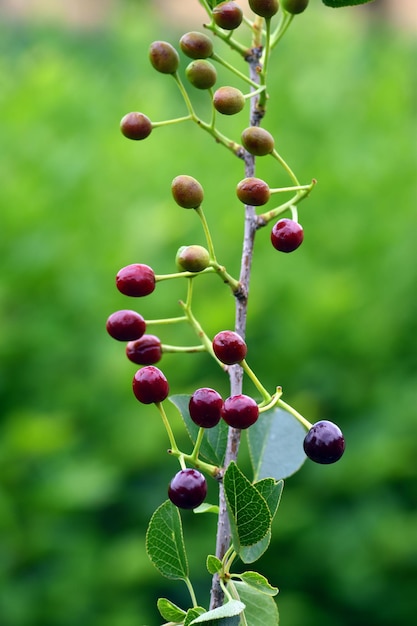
[228, 15]
[196, 45]
[324, 442]
[257, 141]
[187, 489]
[150, 385]
[125, 325]
[201, 73]
[205, 407]
[287, 235]
[192, 258]
[229, 347]
[228, 100]
[136, 126]
[264, 8]
[136, 280]
[163, 57]
[240, 411]
[144, 351]
[253, 191]
[294, 7]
[187, 191]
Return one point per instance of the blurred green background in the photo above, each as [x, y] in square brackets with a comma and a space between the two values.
[82, 465]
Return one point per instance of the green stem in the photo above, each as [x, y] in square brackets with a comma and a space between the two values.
[286, 167]
[200, 332]
[264, 218]
[233, 69]
[161, 277]
[173, 443]
[254, 93]
[191, 591]
[281, 29]
[175, 120]
[197, 445]
[166, 320]
[182, 349]
[265, 61]
[266, 406]
[294, 413]
[266, 396]
[226, 277]
[207, 233]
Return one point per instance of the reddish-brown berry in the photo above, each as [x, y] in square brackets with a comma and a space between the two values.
[228, 15]
[136, 280]
[187, 192]
[324, 442]
[229, 347]
[264, 8]
[144, 351]
[228, 100]
[125, 325]
[163, 57]
[187, 489]
[136, 126]
[196, 45]
[192, 258]
[294, 7]
[205, 407]
[240, 411]
[201, 73]
[150, 385]
[257, 141]
[253, 191]
[287, 235]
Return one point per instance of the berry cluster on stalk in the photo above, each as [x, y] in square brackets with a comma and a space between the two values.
[205, 409]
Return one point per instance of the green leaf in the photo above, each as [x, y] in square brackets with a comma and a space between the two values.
[232, 608]
[206, 507]
[276, 445]
[249, 512]
[250, 554]
[165, 542]
[213, 447]
[192, 614]
[261, 610]
[335, 4]
[271, 490]
[170, 611]
[213, 564]
[258, 582]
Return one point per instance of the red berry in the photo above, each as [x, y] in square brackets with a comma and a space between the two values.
[253, 191]
[229, 347]
[145, 351]
[150, 385]
[136, 280]
[240, 411]
[136, 126]
[187, 489]
[205, 407]
[287, 235]
[324, 442]
[125, 325]
[228, 15]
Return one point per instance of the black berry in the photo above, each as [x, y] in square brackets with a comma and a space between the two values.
[192, 258]
[187, 192]
[136, 126]
[144, 351]
[264, 8]
[240, 411]
[228, 100]
[201, 73]
[187, 489]
[205, 407]
[294, 6]
[253, 191]
[228, 15]
[150, 385]
[229, 347]
[136, 280]
[257, 141]
[287, 235]
[196, 45]
[324, 442]
[125, 325]
[164, 57]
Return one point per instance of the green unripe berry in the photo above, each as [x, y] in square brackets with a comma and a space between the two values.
[187, 192]
[136, 126]
[264, 8]
[228, 15]
[228, 100]
[201, 73]
[294, 6]
[253, 191]
[192, 258]
[196, 45]
[257, 141]
[164, 57]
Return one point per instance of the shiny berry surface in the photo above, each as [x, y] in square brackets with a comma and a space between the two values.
[192, 258]
[201, 73]
[229, 347]
[257, 141]
[324, 442]
[253, 191]
[163, 57]
[228, 15]
[150, 385]
[136, 280]
[294, 7]
[228, 100]
[264, 8]
[240, 411]
[136, 126]
[196, 45]
[187, 191]
[125, 325]
[144, 351]
[187, 489]
[287, 235]
[205, 407]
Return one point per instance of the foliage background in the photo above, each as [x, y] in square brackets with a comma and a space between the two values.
[82, 465]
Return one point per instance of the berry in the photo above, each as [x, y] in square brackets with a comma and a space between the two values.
[192, 258]
[253, 191]
[146, 350]
[150, 385]
[324, 442]
[205, 407]
[136, 280]
[240, 411]
[196, 45]
[287, 235]
[228, 15]
[257, 141]
[228, 100]
[125, 325]
[187, 489]
[164, 57]
[229, 347]
[294, 6]
[136, 126]
[187, 192]
[264, 8]
[201, 73]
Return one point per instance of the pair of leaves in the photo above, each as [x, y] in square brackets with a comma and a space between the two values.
[226, 615]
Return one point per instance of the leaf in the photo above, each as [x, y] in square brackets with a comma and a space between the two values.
[276, 445]
[271, 490]
[261, 610]
[165, 542]
[213, 447]
[192, 614]
[213, 564]
[232, 608]
[258, 582]
[250, 516]
[344, 3]
[206, 507]
[250, 554]
[170, 611]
